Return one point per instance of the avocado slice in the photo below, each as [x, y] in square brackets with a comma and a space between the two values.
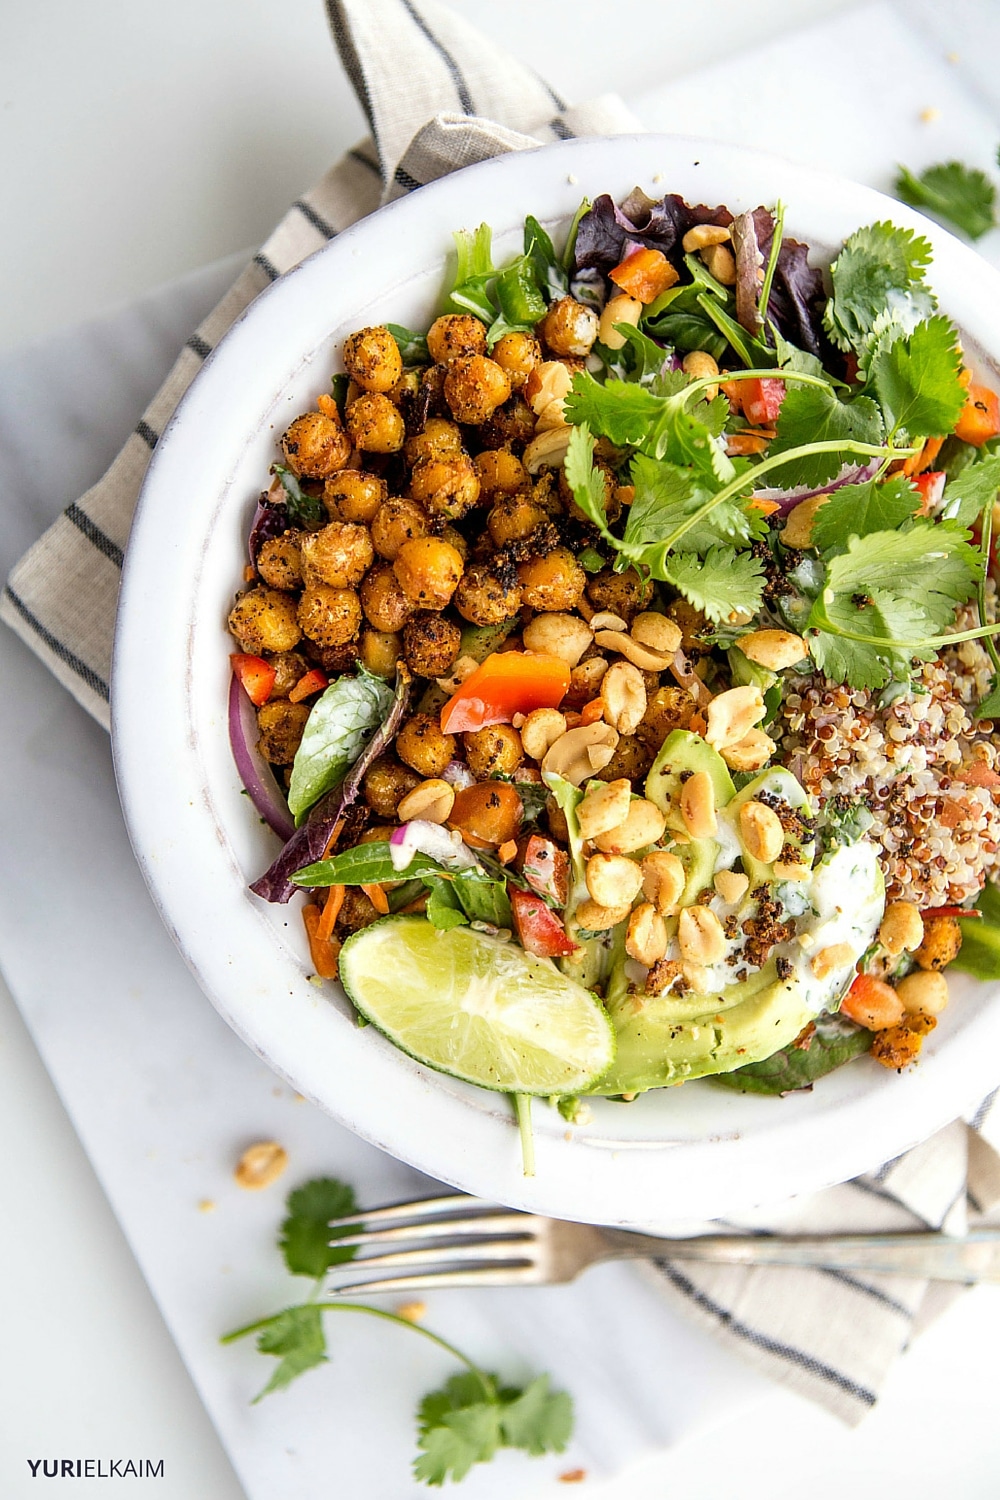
[781, 784]
[681, 752]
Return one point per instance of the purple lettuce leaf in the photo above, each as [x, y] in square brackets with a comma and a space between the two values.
[604, 232]
[309, 842]
[798, 295]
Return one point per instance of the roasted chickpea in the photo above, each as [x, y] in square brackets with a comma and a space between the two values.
[439, 439]
[316, 445]
[428, 570]
[372, 358]
[354, 496]
[329, 616]
[454, 538]
[386, 607]
[624, 594]
[693, 625]
[431, 644]
[265, 620]
[490, 811]
[423, 745]
[399, 520]
[447, 486]
[514, 517]
[289, 667]
[501, 473]
[569, 327]
[517, 354]
[631, 759]
[455, 335]
[482, 599]
[380, 651]
[474, 387]
[385, 785]
[554, 582]
[340, 554]
[357, 910]
[281, 724]
[375, 425]
[494, 751]
[667, 709]
[512, 423]
[279, 561]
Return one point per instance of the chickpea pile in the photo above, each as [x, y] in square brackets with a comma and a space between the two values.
[445, 510]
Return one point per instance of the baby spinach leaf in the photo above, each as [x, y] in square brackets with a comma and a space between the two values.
[341, 721]
[364, 864]
[798, 1067]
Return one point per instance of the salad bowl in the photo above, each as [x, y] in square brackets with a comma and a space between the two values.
[676, 1154]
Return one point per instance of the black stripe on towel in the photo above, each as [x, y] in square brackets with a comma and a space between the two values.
[94, 534]
[984, 1109]
[316, 220]
[66, 656]
[351, 61]
[461, 87]
[200, 346]
[365, 161]
[149, 437]
[874, 1292]
[267, 266]
[559, 128]
[788, 1352]
[403, 179]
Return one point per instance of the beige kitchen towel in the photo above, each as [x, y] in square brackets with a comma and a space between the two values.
[438, 97]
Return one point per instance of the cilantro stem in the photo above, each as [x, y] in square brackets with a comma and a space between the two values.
[828, 445]
[773, 374]
[522, 1109]
[932, 643]
[985, 544]
[772, 261]
[488, 1385]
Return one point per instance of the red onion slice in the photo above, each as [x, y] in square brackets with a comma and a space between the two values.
[423, 837]
[849, 474]
[260, 784]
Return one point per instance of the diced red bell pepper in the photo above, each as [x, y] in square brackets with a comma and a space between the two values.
[761, 400]
[538, 928]
[256, 676]
[950, 911]
[315, 681]
[546, 868]
[980, 417]
[644, 274]
[507, 683]
[931, 487]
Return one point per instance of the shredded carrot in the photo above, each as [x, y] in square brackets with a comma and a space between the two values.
[507, 851]
[378, 898]
[324, 951]
[922, 460]
[592, 711]
[331, 911]
[338, 829]
[249, 574]
[765, 507]
[328, 406]
[741, 444]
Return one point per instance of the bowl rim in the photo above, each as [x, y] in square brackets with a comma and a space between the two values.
[156, 744]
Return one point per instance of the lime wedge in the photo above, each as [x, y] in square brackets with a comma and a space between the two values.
[477, 1007]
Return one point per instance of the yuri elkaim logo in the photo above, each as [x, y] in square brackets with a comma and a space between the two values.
[96, 1468]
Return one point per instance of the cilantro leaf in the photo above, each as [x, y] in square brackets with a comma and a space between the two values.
[880, 267]
[976, 486]
[960, 195]
[621, 410]
[857, 509]
[865, 663]
[989, 708]
[916, 379]
[810, 414]
[537, 1419]
[585, 479]
[722, 582]
[296, 1337]
[464, 1389]
[305, 1233]
[458, 1426]
[664, 422]
[666, 495]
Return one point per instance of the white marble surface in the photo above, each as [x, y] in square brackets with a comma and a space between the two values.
[113, 196]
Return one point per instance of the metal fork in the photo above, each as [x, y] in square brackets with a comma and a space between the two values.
[462, 1241]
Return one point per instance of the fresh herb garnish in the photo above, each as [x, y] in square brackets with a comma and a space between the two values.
[879, 273]
[462, 1424]
[857, 509]
[303, 509]
[412, 346]
[960, 195]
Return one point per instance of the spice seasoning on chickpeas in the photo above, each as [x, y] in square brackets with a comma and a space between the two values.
[624, 707]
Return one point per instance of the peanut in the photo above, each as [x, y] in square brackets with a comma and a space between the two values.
[646, 935]
[558, 634]
[751, 753]
[542, 728]
[657, 631]
[612, 879]
[761, 831]
[902, 929]
[731, 886]
[643, 825]
[701, 366]
[620, 309]
[261, 1164]
[703, 235]
[721, 263]
[700, 936]
[697, 803]
[634, 651]
[774, 649]
[732, 714]
[604, 808]
[432, 801]
[594, 917]
[578, 753]
[547, 450]
[623, 694]
[663, 880]
[836, 956]
[799, 523]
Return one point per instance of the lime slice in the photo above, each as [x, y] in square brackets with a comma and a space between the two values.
[477, 1007]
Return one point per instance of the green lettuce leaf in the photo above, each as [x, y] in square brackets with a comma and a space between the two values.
[338, 727]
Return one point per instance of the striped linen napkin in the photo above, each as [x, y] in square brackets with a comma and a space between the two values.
[438, 97]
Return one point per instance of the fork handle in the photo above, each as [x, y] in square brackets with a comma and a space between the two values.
[933, 1256]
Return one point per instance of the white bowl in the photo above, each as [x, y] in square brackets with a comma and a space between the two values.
[678, 1153]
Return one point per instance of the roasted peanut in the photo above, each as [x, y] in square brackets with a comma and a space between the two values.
[594, 917]
[901, 929]
[548, 449]
[732, 714]
[643, 657]
[623, 694]
[836, 956]
[799, 522]
[697, 805]
[612, 879]
[558, 634]
[643, 825]
[774, 649]
[761, 831]
[260, 1165]
[751, 753]
[663, 880]
[721, 263]
[619, 309]
[604, 807]
[656, 631]
[542, 728]
[703, 235]
[700, 936]
[701, 366]
[731, 886]
[646, 935]
[578, 753]
[432, 801]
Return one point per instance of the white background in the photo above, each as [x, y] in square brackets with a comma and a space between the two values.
[140, 141]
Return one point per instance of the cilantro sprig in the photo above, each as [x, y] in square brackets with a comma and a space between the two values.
[962, 196]
[463, 1423]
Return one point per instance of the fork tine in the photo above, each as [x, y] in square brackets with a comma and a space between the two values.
[419, 1208]
[522, 1275]
[485, 1224]
[517, 1252]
